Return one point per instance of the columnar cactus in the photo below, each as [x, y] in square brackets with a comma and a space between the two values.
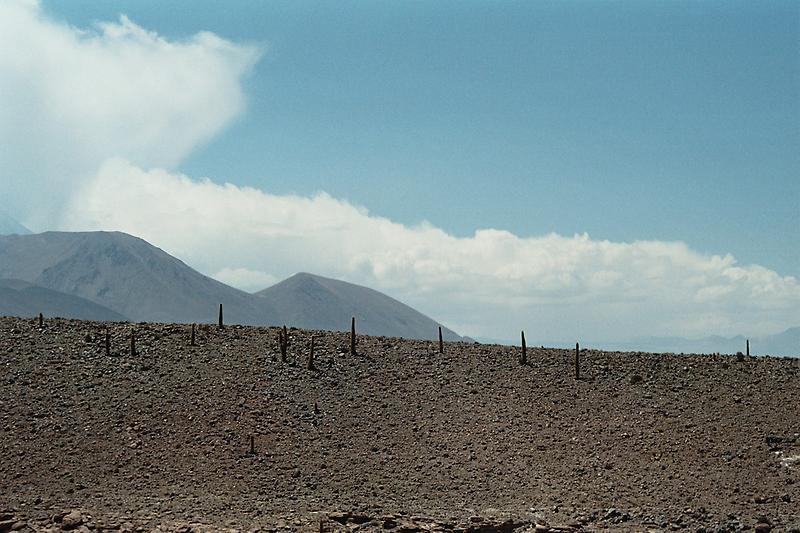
[353, 336]
[311, 355]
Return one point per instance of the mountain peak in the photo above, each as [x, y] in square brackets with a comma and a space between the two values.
[9, 226]
[316, 302]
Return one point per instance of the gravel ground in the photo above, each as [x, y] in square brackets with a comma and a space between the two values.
[397, 438]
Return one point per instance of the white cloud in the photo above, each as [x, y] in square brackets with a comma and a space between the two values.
[245, 279]
[492, 284]
[81, 96]
[100, 117]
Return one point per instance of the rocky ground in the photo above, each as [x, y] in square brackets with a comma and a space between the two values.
[396, 438]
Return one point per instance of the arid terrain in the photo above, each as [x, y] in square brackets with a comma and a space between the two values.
[396, 438]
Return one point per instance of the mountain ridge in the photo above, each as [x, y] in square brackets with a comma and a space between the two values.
[132, 277]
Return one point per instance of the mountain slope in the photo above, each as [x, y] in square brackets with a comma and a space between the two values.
[9, 226]
[127, 275]
[20, 298]
[315, 302]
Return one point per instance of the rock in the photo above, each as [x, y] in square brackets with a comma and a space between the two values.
[72, 520]
[761, 527]
[541, 528]
[7, 525]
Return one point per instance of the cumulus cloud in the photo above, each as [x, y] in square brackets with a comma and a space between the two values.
[492, 283]
[81, 96]
[100, 117]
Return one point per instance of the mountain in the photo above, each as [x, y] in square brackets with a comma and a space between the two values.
[20, 298]
[786, 343]
[136, 280]
[309, 301]
[127, 275]
[9, 226]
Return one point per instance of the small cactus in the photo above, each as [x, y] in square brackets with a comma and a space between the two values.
[193, 340]
[523, 360]
[133, 342]
[577, 361]
[353, 336]
[311, 355]
[441, 343]
[221, 323]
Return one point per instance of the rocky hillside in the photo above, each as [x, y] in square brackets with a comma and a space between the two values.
[396, 438]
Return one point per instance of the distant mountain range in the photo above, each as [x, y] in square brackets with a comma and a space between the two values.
[9, 226]
[20, 298]
[115, 276]
[785, 343]
[131, 278]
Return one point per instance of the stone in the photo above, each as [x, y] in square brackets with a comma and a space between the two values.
[761, 527]
[72, 520]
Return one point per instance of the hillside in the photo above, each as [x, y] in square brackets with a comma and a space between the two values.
[399, 438]
[20, 298]
[309, 301]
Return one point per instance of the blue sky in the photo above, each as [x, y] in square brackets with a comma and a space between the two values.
[580, 170]
[626, 120]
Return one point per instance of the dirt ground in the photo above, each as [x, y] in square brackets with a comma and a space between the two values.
[395, 438]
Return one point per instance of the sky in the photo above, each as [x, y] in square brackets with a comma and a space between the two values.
[594, 169]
